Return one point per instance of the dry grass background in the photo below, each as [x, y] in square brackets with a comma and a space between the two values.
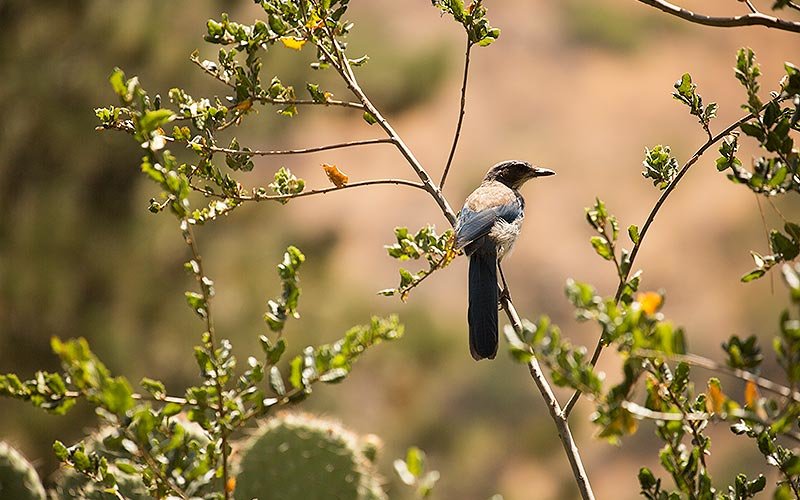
[579, 87]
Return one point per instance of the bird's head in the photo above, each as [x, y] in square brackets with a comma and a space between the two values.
[514, 173]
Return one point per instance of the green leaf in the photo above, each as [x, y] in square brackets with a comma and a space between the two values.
[785, 247]
[370, 118]
[117, 80]
[415, 459]
[633, 233]
[60, 450]
[753, 275]
[152, 120]
[602, 247]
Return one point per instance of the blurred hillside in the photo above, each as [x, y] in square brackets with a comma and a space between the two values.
[579, 87]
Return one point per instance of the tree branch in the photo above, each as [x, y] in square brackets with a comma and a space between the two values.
[205, 287]
[649, 221]
[460, 116]
[340, 145]
[752, 19]
[281, 197]
[557, 415]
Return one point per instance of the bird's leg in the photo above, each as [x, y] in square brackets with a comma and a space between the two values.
[504, 293]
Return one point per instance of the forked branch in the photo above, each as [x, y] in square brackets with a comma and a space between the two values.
[752, 19]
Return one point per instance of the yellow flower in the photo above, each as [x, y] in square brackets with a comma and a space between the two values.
[650, 302]
[293, 43]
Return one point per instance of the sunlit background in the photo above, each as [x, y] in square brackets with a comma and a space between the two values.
[579, 87]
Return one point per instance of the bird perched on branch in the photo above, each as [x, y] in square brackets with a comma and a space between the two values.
[487, 227]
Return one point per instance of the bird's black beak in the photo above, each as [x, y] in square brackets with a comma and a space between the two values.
[542, 172]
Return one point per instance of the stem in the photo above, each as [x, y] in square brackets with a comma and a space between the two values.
[752, 19]
[460, 116]
[315, 149]
[649, 221]
[203, 281]
[155, 466]
[557, 415]
[279, 197]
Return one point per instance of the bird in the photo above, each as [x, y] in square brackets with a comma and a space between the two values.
[486, 229]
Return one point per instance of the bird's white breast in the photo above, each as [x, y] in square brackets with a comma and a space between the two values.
[505, 234]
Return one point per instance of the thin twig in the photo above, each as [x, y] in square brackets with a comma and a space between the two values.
[204, 283]
[278, 102]
[752, 19]
[641, 412]
[460, 115]
[340, 145]
[751, 6]
[709, 364]
[766, 236]
[280, 197]
[649, 221]
[793, 5]
[155, 466]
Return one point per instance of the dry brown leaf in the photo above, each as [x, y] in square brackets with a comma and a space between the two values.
[336, 176]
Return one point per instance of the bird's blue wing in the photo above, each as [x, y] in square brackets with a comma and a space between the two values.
[473, 225]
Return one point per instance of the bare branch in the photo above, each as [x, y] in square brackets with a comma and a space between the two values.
[646, 413]
[649, 221]
[280, 197]
[315, 149]
[460, 116]
[752, 19]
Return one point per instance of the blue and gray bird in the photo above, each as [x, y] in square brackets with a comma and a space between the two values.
[486, 229]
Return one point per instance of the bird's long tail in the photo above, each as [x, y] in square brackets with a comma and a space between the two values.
[483, 297]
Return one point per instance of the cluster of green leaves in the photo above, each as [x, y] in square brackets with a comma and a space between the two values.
[149, 439]
[605, 242]
[774, 173]
[771, 125]
[278, 310]
[436, 249]
[660, 166]
[289, 24]
[569, 365]
[472, 18]
[331, 363]
[413, 472]
[686, 92]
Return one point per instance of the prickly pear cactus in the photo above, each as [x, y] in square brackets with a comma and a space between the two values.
[300, 457]
[18, 478]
